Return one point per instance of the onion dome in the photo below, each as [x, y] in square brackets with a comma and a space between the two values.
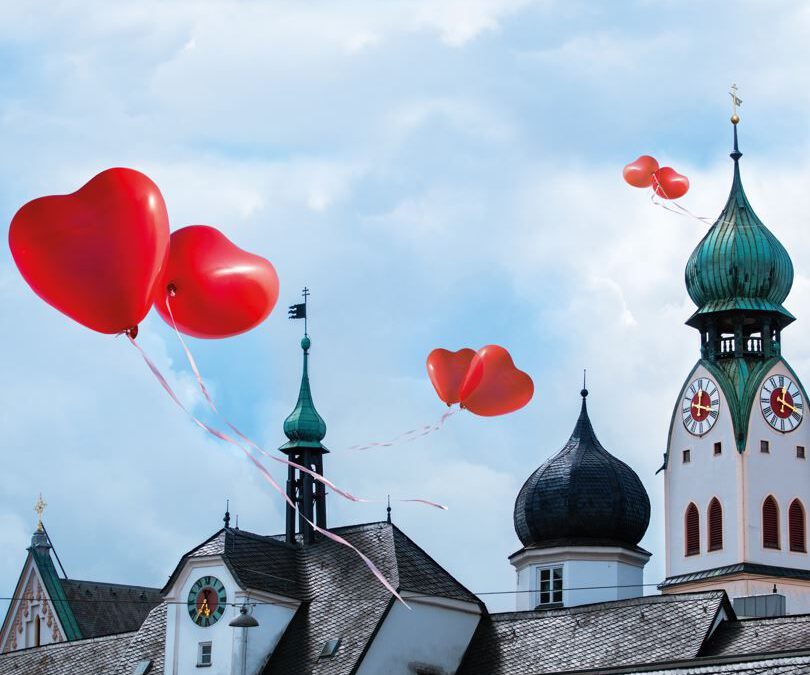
[739, 266]
[583, 495]
[304, 426]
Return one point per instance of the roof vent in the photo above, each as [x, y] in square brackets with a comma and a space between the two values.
[142, 667]
[330, 648]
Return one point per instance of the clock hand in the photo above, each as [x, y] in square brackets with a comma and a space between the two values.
[785, 403]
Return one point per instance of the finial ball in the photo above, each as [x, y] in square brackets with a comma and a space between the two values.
[735, 118]
[584, 393]
[305, 343]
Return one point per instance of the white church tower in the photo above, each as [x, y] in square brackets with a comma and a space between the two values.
[737, 479]
[580, 517]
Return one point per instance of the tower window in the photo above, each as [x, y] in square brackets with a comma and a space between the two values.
[770, 523]
[800, 451]
[718, 448]
[764, 446]
[796, 527]
[715, 520]
[550, 585]
[687, 456]
[692, 527]
[203, 654]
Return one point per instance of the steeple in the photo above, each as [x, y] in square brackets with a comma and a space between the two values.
[305, 429]
[738, 276]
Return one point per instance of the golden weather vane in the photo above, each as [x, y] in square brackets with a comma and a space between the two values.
[39, 508]
[735, 101]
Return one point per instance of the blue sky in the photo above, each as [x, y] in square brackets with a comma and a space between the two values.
[439, 173]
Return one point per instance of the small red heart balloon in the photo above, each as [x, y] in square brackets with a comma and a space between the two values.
[669, 184]
[640, 173]
[218, 289]
[494, 386]
[95, 254]
[447, 371]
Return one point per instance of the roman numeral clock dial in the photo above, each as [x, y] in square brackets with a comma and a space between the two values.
[781, 403]
[206, 602]
[700, 406]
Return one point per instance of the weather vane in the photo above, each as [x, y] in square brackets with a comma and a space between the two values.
[735, 101]
[299, 311]
[39, 508]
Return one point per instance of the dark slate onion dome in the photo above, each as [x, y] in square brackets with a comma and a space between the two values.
[582, 496]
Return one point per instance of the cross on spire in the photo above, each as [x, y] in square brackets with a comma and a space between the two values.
[39, 509]
[735, 101]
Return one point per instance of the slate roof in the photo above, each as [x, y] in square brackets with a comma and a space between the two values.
[763, 664]
[148, 643]
[753, 636]
[648, 629]
[581, 493]
[97, 656]
[343, 600]
[105, 609]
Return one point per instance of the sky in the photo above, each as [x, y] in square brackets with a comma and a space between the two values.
[440, 173]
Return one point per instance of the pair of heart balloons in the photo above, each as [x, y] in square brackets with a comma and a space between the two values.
[103, 255]
[665, 181]
[485, 382]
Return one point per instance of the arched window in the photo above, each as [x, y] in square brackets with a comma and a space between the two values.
[796, 526]
[770, 523]
[715, 520]
[692, 530]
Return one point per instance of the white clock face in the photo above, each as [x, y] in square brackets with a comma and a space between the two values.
[781, 402]
[700, 406]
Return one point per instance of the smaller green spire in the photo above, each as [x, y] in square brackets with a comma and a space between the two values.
[304, 426]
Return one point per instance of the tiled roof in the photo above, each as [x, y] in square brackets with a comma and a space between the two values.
[148, 643]
[760, 636]
[105, 609]
[647, 630]
[344, 601]
[97, 656]
[791, 664]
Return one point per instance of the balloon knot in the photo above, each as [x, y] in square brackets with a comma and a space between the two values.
[171, 290]
[132, 332]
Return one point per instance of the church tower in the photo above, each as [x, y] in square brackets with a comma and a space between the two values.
[736, 474]
[580, 517]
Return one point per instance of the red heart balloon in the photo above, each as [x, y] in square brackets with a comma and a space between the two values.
[96, 254]
[447, 371]
[669, 184]
[640, 173]
[219, 289]
[493, 385]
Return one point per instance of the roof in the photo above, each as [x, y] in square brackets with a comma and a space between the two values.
[663, 628]
[739, 266]
[738, 568]
[108, 655]
[761, 664]
[343, 601]
[583, 492]
[105, 609]
[760, 635]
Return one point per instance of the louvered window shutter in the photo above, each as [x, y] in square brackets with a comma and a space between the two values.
[692, 530]
[796, 527]
[770, 524]
[715, 525]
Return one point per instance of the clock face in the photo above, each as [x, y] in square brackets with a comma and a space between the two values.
[206, 601]
[781, 403]
[700, 406]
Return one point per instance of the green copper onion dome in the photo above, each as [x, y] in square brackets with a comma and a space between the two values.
[739, 266]
[304, 426]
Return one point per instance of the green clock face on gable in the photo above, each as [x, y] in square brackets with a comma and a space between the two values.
[206, 601]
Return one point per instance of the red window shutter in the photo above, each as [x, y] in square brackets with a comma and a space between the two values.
[796, 526]
[715, 525]
[692, 530]
[770, 523]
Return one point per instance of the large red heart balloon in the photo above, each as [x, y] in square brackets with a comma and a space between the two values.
[218, 290]
[96, 254]
[493, 385]
[447, 371]
[669, 184]
[640, 173]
